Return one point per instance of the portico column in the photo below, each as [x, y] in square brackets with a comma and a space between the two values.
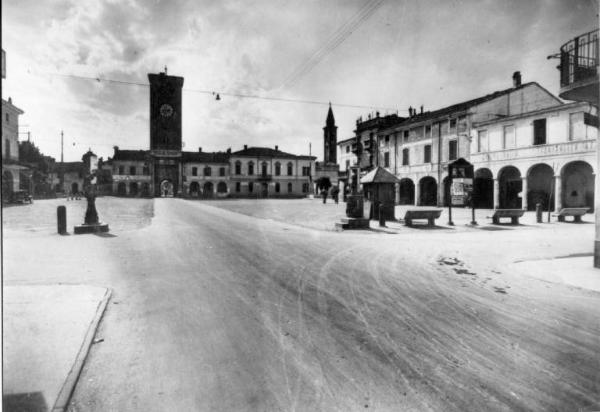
[417, 193]
[397, 192]
[557, 193]
[524, 193]
[496, 194]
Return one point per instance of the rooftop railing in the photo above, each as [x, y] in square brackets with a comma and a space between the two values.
[579, 59]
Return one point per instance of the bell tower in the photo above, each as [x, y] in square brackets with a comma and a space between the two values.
[165, 111]
[330, 139]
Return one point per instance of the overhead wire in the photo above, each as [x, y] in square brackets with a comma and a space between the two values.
[335, 40]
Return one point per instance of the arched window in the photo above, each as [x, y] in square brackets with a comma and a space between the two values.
[277, 169]
[207, 171]
[250, 168]
[290, 187]
[277, 187]
[290, 169]
[194, 171]
[264, 168]
[238, 168]
[250, 187]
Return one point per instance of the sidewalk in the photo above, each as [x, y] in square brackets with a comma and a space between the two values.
[47, 332]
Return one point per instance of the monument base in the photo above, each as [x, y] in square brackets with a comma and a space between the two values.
[349, 223]
[93, 228]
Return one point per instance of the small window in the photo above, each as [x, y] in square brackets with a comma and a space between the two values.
[405, 158]
[132, 170]
[264, 168]
[207, 171]
[277, 169]
[238, 187]
[305, 170]
[428, 130]
[405, 134]
[539, 131]
[452, 124]
[427, 154]
[304, 187]
[221, 171]
[452, 150]
[277, 187]
[290, 187]
[386, 159]
[250, 187]
[348, 149]
[290, 169]
[6, 117]
[194, 171]
[238, 168]
[7, 146]
[387, 138]
[121, 170]
[250, 168]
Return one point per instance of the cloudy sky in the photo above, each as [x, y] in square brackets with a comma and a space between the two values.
[386, 54]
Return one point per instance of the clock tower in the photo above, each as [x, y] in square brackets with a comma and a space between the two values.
[165, 111]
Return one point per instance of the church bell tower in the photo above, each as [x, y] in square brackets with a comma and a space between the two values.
[330, 138]
[165, 111]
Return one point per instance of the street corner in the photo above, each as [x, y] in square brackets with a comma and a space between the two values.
[48, 330]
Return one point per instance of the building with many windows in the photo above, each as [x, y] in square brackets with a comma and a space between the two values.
[11, 169]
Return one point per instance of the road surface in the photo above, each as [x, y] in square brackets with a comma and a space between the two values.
[217, 311]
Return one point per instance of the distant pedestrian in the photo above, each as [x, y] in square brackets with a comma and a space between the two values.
[324, 195]
[335, 193]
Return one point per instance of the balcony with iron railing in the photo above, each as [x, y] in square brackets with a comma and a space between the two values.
[579, 68]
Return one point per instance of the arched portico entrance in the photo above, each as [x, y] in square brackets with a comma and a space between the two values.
[121, 189]
[145, 189]
[133, 189]
[264, 189]
[483, 188]
[509, 179]
[166, 188]
[407, 192]
[540, 187]
[577, 185]
[194, 189]
[222, 187]
[428, 191]
[207, 190]
[7, 185]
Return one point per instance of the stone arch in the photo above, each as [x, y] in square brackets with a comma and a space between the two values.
[207, 190]
[121, 189]
[540, 186]
[133, 189]
[221, 187]
[483, 189]
[407, 192]
[428, 191]
[194, 190]
[577, 185]
[510, 185]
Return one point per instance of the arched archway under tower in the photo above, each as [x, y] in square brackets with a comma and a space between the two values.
[483, 189]
[510, 185]
[577, 184]
[428, 191]
[407, 192]
[540, 187]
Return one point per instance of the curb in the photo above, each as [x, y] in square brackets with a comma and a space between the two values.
[64, 396]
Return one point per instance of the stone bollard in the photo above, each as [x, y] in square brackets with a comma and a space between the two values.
[538, 212]
[61, 220]
[381, 215]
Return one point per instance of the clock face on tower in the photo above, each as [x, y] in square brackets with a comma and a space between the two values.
[166, 110]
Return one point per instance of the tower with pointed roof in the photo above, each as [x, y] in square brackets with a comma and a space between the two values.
[330, 139]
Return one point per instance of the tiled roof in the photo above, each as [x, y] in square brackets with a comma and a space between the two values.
[205, 157]
[268, 152]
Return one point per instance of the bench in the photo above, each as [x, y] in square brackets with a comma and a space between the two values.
[513, 214]
[576, 212]
[429, 214]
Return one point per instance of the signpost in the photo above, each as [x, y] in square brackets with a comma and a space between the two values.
[460, 173]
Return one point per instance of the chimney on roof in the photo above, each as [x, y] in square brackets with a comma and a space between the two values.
[409, 111]
[516, 79]
[276, 148]
[199, 150]
[245, 147]
[421, 109]
[377, 114]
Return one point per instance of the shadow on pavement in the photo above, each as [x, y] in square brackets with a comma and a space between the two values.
[25, 402]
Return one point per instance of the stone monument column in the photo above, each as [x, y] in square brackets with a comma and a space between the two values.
[417, 193]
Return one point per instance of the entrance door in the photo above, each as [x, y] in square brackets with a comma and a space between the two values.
[265, 190]
[166, 188]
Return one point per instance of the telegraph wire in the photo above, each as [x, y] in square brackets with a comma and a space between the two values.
[338, 37]
[230, 94]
